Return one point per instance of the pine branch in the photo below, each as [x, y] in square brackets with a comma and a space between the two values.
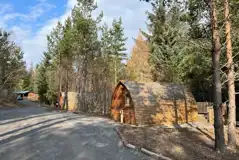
[192, 42]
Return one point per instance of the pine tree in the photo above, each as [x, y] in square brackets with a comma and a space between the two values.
[41, 78]
[118, 47]
[12, 65]
[66, 55]
[138, 68]
[217, 97]
[106, 52]
[86, 45]
[80, 59]
[231, 80]
[167, 42]
[54, 52]
[106, 40]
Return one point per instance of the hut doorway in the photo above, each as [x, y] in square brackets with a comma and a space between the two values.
[122, 108]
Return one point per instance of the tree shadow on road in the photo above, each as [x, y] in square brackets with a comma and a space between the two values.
[7, 121]
[75, 137]
[30, 126]
[32, 110]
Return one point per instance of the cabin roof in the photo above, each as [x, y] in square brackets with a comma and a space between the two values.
[21, 92]
[150, 93]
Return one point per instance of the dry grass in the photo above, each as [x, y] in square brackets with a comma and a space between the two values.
[176, 143]
[211, 133]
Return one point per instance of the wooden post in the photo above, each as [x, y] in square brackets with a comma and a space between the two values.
[122, 116]
[210, 114]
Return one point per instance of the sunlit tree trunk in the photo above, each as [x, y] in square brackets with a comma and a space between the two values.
[65, 104]
[217, 97]
[230, 80]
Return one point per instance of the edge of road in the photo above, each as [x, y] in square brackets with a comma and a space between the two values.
[143, 150]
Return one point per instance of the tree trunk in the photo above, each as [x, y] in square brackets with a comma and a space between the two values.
[65, 104]
[61, 105]
[78, 87]
[83, 86]
[1, 74]
[230, 80]
[60, 80]
[217, 97]
[60, 75]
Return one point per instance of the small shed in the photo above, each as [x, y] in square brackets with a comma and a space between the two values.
[152, 103]
[33, 96]
[22, 93]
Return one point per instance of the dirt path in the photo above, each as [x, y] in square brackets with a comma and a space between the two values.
[36, 133]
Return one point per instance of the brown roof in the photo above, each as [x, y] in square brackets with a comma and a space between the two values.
[150, 93]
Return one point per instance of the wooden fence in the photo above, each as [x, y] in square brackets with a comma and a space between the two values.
[206, 108]
[203, 107]
[96, 101]
[95, 95]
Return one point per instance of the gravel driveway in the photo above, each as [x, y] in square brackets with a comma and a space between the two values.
[34, 133]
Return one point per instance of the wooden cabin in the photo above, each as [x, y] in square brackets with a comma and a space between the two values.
[33, 96]
[152, 103]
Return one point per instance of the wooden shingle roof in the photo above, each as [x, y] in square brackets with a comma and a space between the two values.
[148, 94]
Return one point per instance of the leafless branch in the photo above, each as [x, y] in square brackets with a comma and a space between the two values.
[224, 75]
[224, 82]
[236, 76]
[224, 65]
[235, 55]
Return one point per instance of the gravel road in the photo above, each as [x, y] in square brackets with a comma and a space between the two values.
[35, 133]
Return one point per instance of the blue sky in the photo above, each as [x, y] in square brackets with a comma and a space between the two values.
[30, 21]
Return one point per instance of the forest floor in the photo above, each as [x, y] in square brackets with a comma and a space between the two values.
[177, 143]
[5, 104]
